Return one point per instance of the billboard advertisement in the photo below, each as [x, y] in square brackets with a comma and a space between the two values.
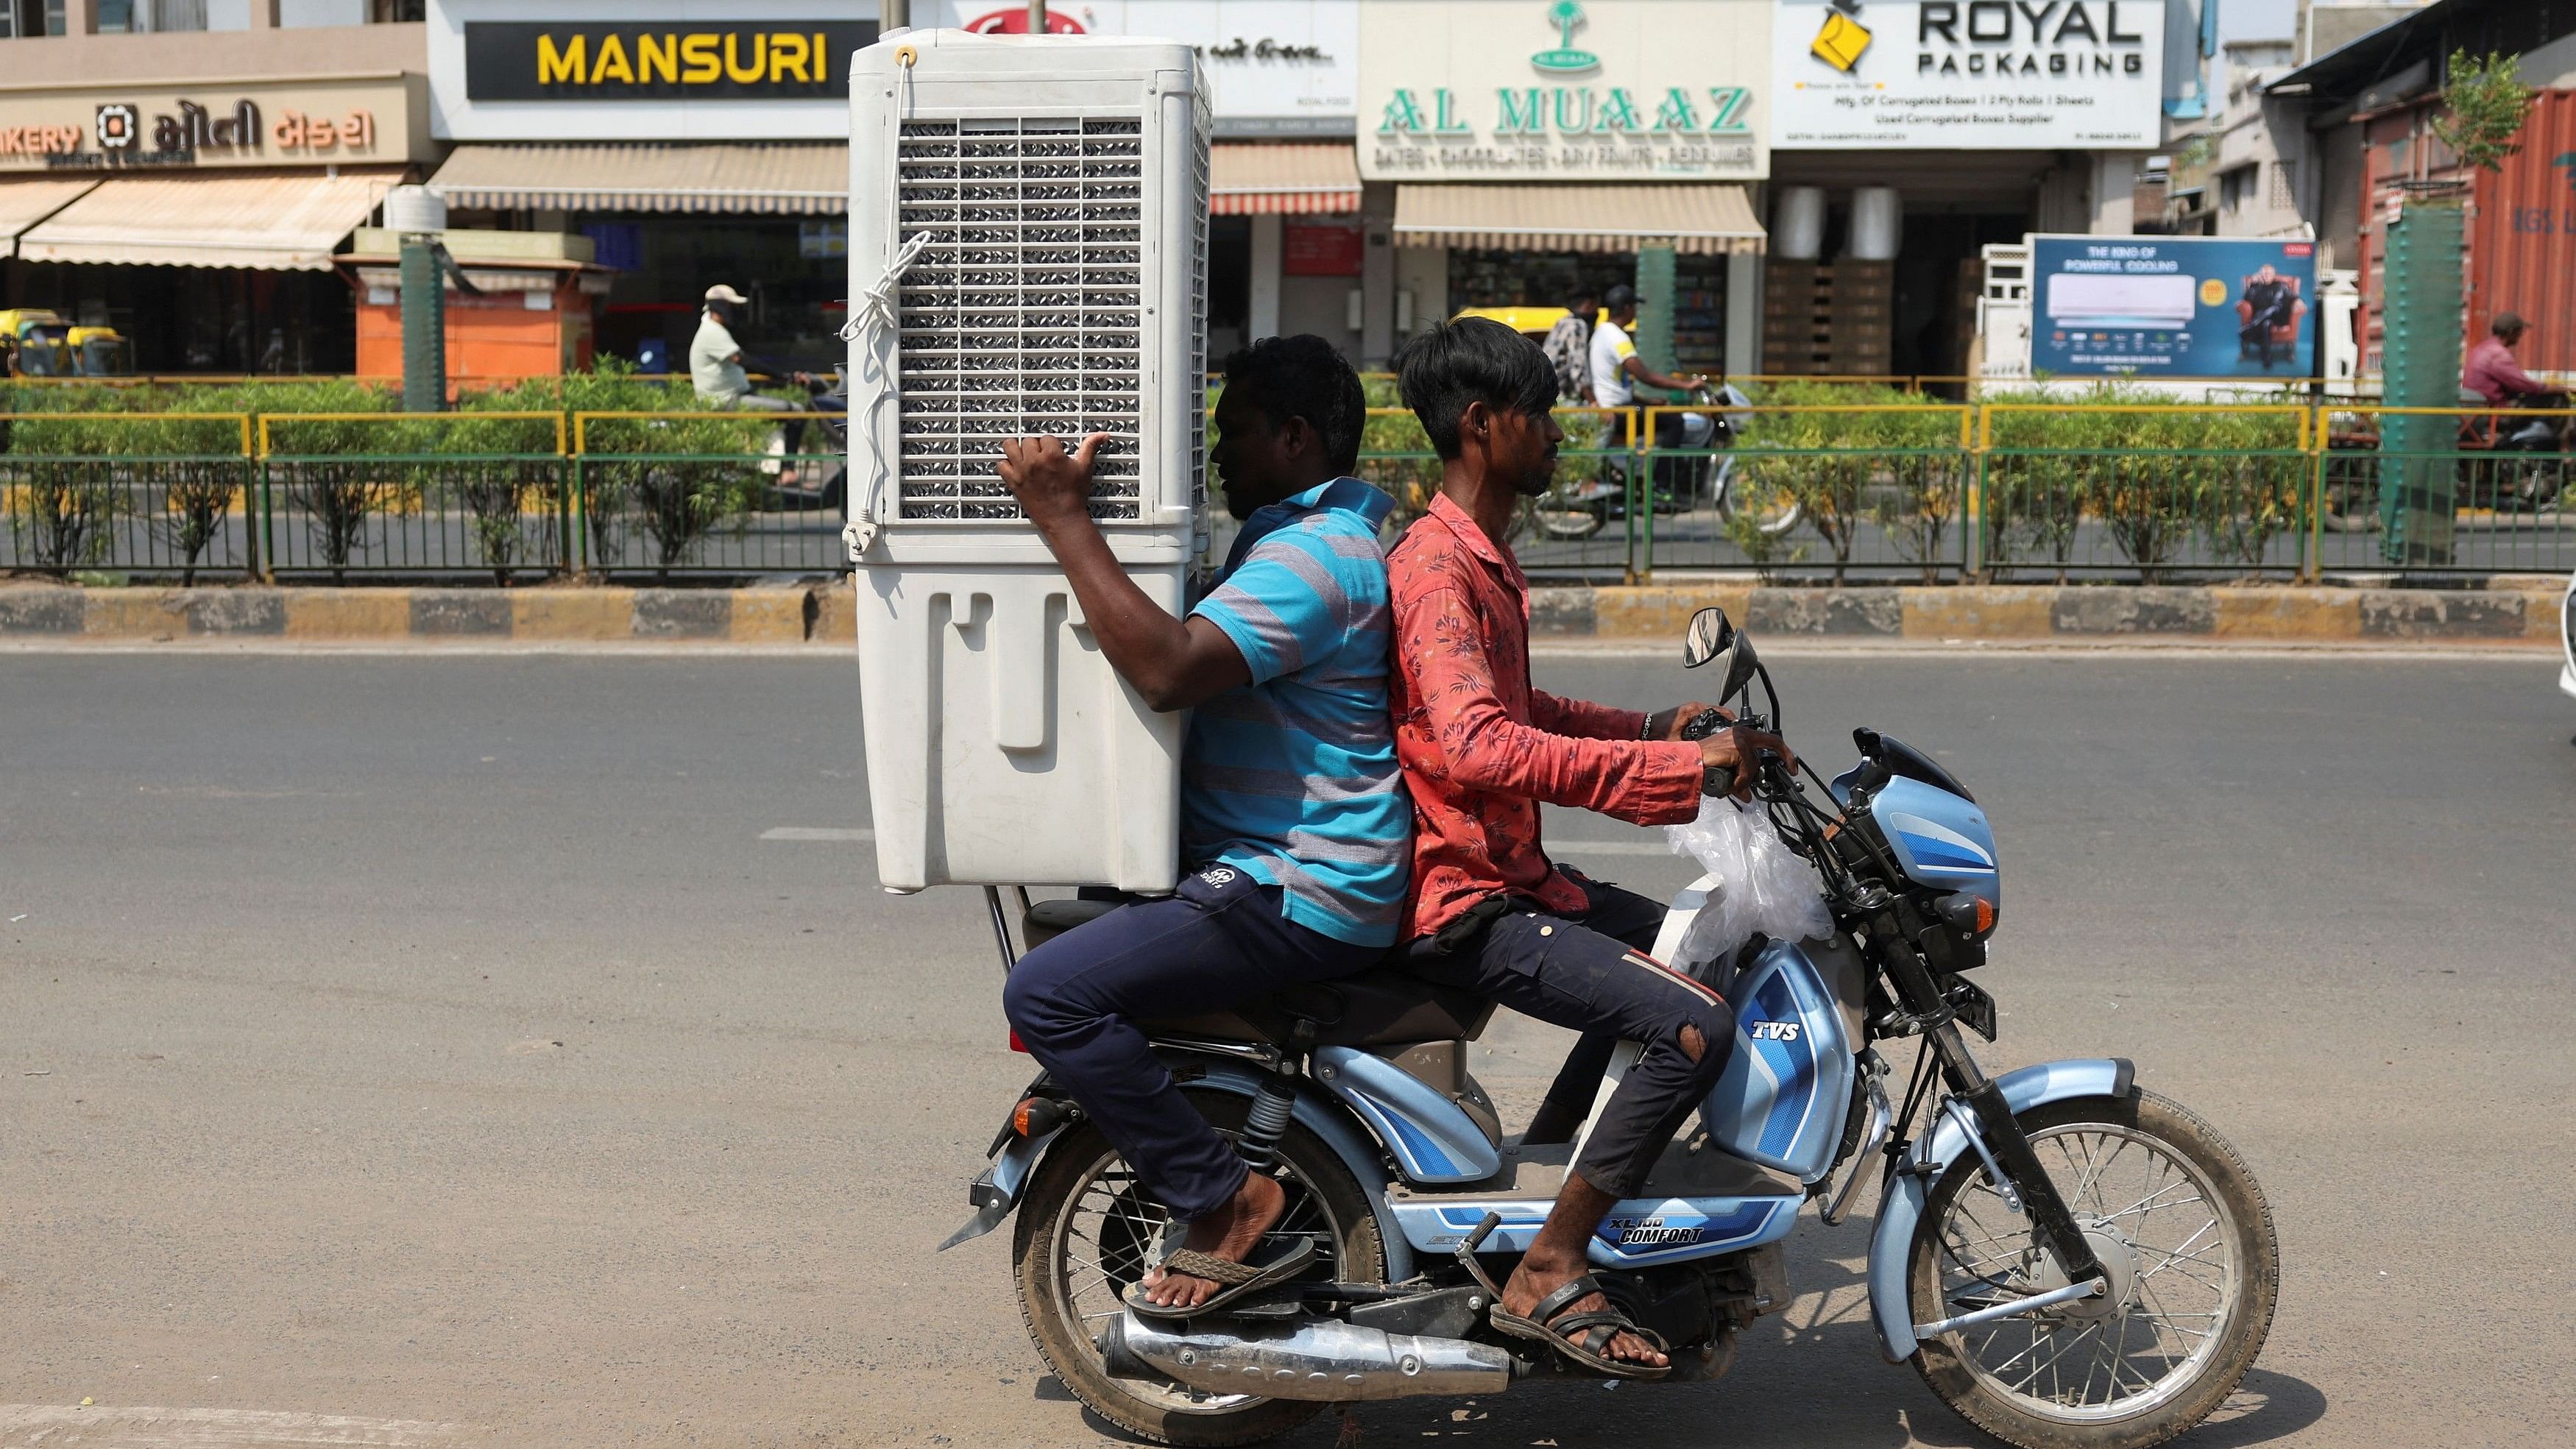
[1965, 75]
[2128, 306]
[1578, 90]
[1274, 67]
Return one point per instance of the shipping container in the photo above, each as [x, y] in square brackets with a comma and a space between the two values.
[2522, 238]
[2521, 225]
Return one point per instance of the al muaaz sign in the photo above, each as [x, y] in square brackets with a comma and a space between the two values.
[1480, 90]
[1968, 74]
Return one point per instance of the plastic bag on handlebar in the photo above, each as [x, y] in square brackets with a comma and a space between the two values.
[1761, 884]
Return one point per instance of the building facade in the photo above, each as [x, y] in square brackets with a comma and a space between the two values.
[187, 174]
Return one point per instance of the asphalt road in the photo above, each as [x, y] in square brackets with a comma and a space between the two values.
[425, 1050]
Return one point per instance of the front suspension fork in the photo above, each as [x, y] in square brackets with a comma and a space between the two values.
[2058, 1230]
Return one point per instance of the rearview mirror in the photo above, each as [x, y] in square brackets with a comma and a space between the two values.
[1715, 640]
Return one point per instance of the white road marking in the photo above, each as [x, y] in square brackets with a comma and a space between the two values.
[817, 832]
[108, 1427]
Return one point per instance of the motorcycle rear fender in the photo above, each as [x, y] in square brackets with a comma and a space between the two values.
[1900, 1206]
[996, 1194]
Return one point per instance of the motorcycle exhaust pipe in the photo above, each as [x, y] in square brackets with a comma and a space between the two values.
[1318, 1358]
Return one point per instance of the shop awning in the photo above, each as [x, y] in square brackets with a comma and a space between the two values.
[789, 178]
[1707, 218]
[1294, 177]
[27, 200]
[288, 221]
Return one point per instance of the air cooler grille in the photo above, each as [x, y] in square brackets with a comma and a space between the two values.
[1021, 316]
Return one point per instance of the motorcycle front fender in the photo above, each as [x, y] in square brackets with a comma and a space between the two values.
[1900, 1206]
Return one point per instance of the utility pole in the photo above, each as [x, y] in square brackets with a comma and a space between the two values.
[1037, 17]
[894, 15]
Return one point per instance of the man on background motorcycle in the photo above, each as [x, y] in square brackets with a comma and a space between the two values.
[2491, 372]
[716, 371]
[1294, 822]
[1481, 751]
[1617, 369]
[1569, 347]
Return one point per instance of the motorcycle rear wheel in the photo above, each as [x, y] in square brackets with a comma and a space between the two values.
[1086, 1231]
[2193, 1258]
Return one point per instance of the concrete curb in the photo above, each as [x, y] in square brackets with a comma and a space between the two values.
[2522, 610]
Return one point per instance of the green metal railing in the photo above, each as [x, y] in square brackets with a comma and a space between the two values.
[1887, 493]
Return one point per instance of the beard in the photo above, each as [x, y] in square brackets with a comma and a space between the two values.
[1535, 482]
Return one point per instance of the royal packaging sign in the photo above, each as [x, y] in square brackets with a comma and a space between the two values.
[1868, 75]
[1576, 90]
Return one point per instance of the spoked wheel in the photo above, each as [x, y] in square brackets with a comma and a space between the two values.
[1087, 1232]
[1566, 525]
[2186, 1238]
[1745, 493]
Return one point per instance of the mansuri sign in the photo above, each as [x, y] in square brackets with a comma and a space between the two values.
[1487, 90]
[1968, 74]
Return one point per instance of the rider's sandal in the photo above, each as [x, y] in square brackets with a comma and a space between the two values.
[1583, 1338]
[1235, 1281]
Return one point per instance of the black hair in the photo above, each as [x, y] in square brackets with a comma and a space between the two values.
[1303, 377]
[1470, 360]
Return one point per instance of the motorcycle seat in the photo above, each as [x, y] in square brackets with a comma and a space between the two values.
[1384, 1006]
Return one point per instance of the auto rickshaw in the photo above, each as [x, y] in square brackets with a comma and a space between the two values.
[39, 343]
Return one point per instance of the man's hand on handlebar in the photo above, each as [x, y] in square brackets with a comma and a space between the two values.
[1742, 751]
[1678, 722]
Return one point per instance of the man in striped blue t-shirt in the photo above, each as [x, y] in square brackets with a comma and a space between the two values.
[1295, 826]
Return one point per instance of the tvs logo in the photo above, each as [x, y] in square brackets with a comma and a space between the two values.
[1775, 1031]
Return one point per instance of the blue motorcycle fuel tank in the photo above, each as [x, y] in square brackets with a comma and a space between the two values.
[1787, 1088]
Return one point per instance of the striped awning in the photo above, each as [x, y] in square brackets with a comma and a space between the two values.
[268, 221]
[775, 178]
[1254, 178]
[27, 200]
[1708, 218]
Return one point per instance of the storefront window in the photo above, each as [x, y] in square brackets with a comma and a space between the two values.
[795, 270]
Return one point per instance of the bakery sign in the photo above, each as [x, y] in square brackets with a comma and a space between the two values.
[1486, 90]
[90, 129]
[1866, 75]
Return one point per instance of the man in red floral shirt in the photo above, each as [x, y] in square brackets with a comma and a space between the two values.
[1481, 750]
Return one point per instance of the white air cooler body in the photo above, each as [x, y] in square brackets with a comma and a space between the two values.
[1062, 183]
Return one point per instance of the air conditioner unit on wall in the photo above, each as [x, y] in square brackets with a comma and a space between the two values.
[1046, 200]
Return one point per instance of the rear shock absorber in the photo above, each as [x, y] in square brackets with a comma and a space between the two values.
[1266, 1123]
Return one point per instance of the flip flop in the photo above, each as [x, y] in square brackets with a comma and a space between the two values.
[1549, 1323]
[1235, 1280]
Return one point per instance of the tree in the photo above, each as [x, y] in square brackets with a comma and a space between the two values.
[2485, 108]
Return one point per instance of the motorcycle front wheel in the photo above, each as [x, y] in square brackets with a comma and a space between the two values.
[2186, 1239]
[1087, 1231]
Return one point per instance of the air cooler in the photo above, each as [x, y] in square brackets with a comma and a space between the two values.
[1028, 256]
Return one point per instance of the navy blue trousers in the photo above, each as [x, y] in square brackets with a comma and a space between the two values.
[1581, 974]
[1218, 942]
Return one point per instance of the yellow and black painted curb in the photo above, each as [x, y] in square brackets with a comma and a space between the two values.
[2523, 610]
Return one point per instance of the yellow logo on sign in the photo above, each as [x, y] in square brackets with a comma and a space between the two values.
[2213, 293]
[1841, 41]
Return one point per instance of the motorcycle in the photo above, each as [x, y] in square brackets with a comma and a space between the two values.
[822, 481]
[2504, 459]
[2065, 1258]
[1688, 465]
